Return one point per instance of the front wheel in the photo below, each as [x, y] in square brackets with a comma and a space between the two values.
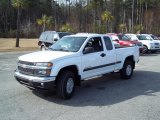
[153, 51]
[43, 48]
[127, 70]
[145, 49]
[65, 85]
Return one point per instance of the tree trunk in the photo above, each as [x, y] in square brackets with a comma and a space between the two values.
[44, 26]
[106, 26]
[146, 17]
[132, 14]
[18, 27]
[10, 15]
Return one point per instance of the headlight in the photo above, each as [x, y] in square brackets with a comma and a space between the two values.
[49, 64]
[132, 45]
[151, 44]
[43, 69]
[42, 72]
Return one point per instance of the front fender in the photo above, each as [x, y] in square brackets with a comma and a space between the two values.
[57, 66]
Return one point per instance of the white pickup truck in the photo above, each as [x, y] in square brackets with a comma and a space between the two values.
[72, 59]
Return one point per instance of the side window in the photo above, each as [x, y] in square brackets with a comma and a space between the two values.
[108, 43]
[95, 43]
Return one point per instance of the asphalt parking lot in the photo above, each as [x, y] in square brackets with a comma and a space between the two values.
[105, 98]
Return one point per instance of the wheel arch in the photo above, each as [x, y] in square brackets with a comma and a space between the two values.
[147, 48]
[42, 45]
[131, 58]
[74, 69]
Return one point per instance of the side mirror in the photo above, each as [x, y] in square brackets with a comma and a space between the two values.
[88, 50]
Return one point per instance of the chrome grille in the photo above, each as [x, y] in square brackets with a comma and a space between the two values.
[26, 71]
[26, 63]
[156, 43]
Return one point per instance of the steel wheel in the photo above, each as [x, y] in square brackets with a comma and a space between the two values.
[145, 49]
[65, 84]
[129, 70]
[69, 86]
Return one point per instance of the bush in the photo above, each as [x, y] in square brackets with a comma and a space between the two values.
[29, 30]
[3, 35]
[66, 28]
[12, 34]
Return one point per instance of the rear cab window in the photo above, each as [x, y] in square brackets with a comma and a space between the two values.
[108, 43]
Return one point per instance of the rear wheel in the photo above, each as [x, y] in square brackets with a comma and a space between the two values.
[65, 85]
[127, 70]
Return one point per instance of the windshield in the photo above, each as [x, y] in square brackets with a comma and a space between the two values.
[154, 37]
[132, 37]
[68, 44]
[114, 38]
[143, 37]
[123, 37]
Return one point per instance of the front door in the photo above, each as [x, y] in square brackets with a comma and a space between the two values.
[93, 62]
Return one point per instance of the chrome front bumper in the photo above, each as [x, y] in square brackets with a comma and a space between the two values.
[33, 78]
[32, 82]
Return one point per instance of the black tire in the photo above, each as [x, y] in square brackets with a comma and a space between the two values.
[127, 70]
[145, 49]
[43, 48]
[62, 90]
[153, 51]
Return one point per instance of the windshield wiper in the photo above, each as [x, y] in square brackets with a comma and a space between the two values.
[63, 50]
[51, 48]
[58, 49]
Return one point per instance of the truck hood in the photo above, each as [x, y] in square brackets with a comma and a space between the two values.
[135, 41]
[149, 41]
[45, 56]
[156, 41]
[131, 41]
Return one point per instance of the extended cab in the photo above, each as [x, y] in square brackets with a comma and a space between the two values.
[72, 59]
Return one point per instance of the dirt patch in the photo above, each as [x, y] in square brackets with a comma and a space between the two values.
[8, 44]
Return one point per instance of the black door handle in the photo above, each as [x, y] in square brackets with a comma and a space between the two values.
[102, 55]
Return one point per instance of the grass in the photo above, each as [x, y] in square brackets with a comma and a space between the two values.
[8, 44]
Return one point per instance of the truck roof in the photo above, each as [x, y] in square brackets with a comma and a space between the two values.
[88, 35]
